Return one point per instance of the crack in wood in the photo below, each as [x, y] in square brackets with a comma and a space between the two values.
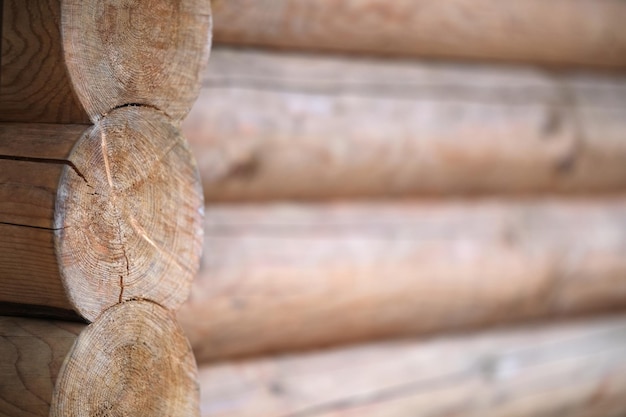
[33, 227]
[107, 167]
[48, 161]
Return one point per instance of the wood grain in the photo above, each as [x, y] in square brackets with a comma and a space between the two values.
[281, 126]
[32, 353]
[287, 277]
[95, 217]
[122, 52]
[35, 85]
[569, 369]
[133, 360]
[557, 32]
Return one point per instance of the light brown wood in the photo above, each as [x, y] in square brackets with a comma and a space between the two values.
[561, 32]
[270, 126]
[289, 277]
[575, 369]
[34, 82]
[122, 52]
[96, 218]
[133, 360]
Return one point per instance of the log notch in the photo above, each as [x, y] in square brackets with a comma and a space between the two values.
[340, 128]
[571, 369]
[96, 218]
[35, 84]
[281, 277]
[133, 360]
[557, 32]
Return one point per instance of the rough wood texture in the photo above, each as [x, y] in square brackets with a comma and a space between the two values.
[34, 82]
[271, 126]
[562, 32]
[90, 220]
[133, 360]
[286, 277]
[122, 52]
[573, 369]
[32, 353]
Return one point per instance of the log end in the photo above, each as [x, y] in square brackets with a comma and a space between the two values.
[128, 219]
[129, 51]
[134, 360]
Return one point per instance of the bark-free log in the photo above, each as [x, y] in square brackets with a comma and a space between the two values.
[575, 369]
[271, 126]
[121, 52]
[277, 278]
[562, 32]
[96, 217]
[66, 61]
[133, 360]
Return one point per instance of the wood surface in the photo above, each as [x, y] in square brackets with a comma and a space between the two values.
[133, 360]
[34, 82]
[556, 32]
[571, 369]
[286, 126]
[91, 218]
[121, 52]
[69, 61]
[287, 277]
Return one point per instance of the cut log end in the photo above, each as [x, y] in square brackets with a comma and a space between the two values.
[147, 52]
[134, 360]
[129, 214]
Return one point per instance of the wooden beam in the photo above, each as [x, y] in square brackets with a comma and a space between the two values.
[289, 277]
[557, 32]
[277, 126]
[90, 218]
[567, 369]
[133, 360]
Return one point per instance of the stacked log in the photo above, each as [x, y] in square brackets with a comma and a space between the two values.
[558, 32]
[575, 368]
[346, 128]
[100, 205]
[286, 278]
[357, 199]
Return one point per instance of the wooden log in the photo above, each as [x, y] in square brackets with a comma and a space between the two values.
[575, 369]
[289, 277]
[121, 52]
[34, 82]
[271, 126]
[133, 360]
[558, 32]
[90, 218]
[66, 61]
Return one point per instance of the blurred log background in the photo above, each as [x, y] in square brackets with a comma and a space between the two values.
[413, 208]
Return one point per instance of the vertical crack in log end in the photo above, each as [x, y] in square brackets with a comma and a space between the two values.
[107, 168]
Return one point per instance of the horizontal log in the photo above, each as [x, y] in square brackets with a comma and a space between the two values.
[271, 126]
[69, 61]
[557, 32]
[122, 53]
[133, 360]
[289, 277]
[93, 217]
[565, 369]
